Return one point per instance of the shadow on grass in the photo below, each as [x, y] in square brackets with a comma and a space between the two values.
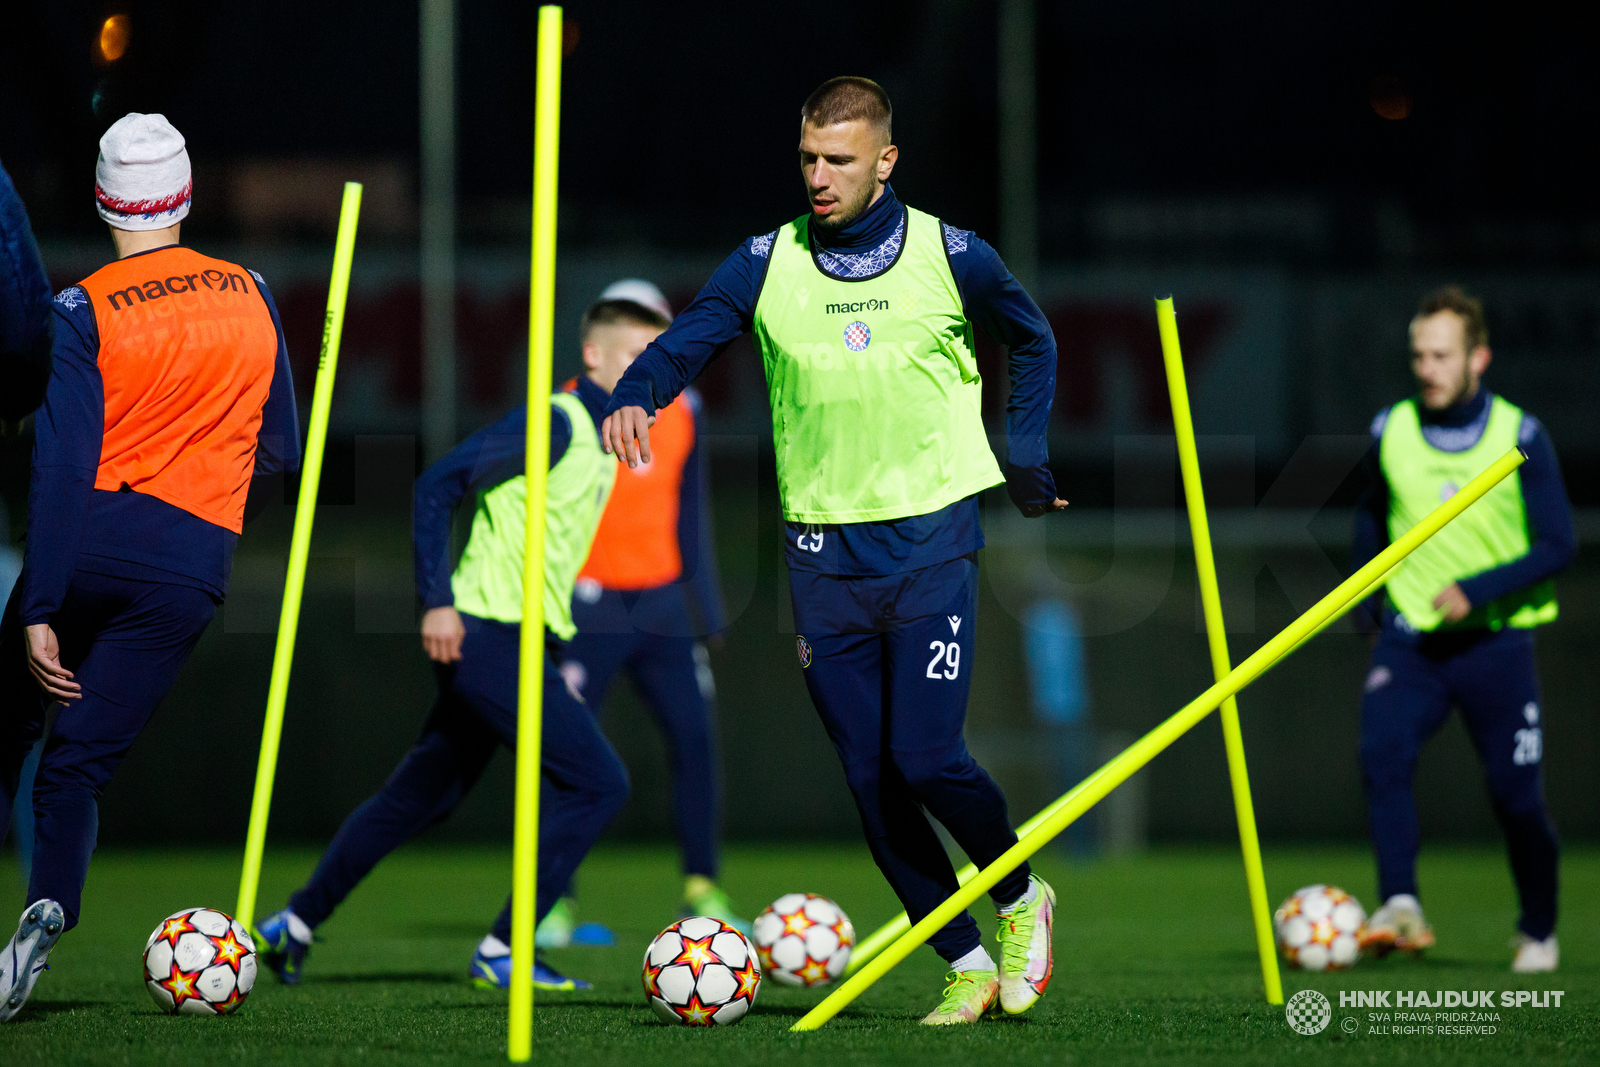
[541, 1000]
[381, 977]
[43, 1009]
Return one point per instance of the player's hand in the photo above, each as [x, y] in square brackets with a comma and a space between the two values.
[442, 634]
[1453, 602]
[44, 660]
[625, 433]
[1033, 511]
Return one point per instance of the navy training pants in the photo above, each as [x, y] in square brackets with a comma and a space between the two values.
[125, 641]
[888, 662]
[1491, 676]
[647, 634]
[583, 783]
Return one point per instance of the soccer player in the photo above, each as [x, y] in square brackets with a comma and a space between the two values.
[863, 309]
[630, 605]
[27, 328]
[1456, 622]
[169, 391]
[471, 631]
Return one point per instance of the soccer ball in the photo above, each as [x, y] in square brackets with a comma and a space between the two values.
[1319, 928]
[701, 972]
[804, 939]
[199, 962]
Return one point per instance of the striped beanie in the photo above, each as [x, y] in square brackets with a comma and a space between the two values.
[142, 181]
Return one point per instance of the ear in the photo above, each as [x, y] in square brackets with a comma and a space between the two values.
[886, 162]
[1479, 359]
[591, 355]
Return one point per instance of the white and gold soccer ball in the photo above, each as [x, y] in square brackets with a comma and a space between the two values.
[1319, 928]
[804, 939]
[199, 961]
[701, 972]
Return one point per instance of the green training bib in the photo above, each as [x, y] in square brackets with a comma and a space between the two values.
[876, 398]
[488, 581]
[1491, 532]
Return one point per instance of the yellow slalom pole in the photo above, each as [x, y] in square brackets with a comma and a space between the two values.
[1217, 637]
[299, 548]
[1153, 743]
[530, 668]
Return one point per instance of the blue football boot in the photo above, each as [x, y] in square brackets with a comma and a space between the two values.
[279, 949]
[494, 972]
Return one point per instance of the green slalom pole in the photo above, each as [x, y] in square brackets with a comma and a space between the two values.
[1118, 770]
[1205, 566]
[299, 549]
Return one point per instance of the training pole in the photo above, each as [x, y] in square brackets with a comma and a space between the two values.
[1217, 637]
[885, 935]
[889, 932]
[299, 548]
[1118, 770]
[530, 667]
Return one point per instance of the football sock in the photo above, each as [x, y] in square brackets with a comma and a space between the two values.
[298, 928]
[1403, 900]
[976, 960]
[696, 886]
[1031, 892]
[491, 947]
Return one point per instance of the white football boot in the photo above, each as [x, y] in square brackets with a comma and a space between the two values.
[25, 957]
[1535, 957]
[1397, 925]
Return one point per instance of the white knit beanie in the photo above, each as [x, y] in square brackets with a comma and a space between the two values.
[142, 180]
[639, 292]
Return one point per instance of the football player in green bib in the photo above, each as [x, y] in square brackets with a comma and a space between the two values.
[471, 631]
[1456, 621]
[863, 309]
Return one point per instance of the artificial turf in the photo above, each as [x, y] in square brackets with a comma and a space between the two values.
[1155, 962]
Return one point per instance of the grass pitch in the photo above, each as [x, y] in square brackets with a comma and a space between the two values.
[1155, 962]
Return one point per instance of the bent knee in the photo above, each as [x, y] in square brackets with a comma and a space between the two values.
[933, 770]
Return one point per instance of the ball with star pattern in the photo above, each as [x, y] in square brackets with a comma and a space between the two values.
[1320, 928]
[199, 961]
[803, 939]
[701, 972]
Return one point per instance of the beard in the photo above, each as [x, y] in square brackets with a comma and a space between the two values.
[848, 213]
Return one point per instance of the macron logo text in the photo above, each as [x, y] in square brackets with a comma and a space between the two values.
[851, 309]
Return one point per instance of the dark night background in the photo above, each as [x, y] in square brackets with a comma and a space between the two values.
[676, 122]
[1296, 174]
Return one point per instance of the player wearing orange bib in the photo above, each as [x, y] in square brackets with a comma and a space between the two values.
[652, 554]
[169, 394]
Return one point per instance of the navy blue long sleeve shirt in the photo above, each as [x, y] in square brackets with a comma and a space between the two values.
[1553, 543]
[495, 454]
[991, 297]
[74, 526]
[26, 326]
